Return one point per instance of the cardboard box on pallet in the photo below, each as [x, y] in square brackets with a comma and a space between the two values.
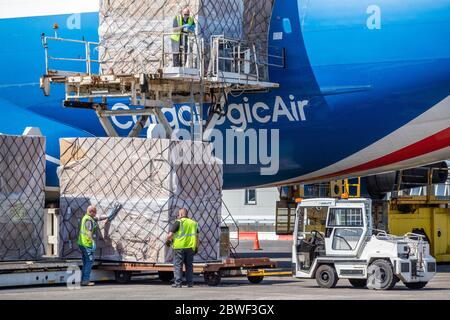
[152, 179]
[22, 197]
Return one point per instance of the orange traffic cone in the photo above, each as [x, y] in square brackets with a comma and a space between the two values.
[256, 242]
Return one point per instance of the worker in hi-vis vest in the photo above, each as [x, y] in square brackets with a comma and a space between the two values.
[184, 233]
[87, 237]
[183, 24]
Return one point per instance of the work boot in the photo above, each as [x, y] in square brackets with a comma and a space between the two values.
[87, 284]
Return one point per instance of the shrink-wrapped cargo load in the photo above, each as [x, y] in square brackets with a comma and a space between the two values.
[22, 197]
[131, 32]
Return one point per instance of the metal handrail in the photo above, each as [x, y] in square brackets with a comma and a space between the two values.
[409, 235]
[87, 59]
[243, 59]
[383, 233]
[192, 42]
[226, 57]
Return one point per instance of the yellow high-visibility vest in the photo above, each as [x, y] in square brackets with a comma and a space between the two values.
[83, 237]
[186, 236]
[176, 36]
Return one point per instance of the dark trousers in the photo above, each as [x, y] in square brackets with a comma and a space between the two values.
[186, 257]
[180, 51]
[87, 256]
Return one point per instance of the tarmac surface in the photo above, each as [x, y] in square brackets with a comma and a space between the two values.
[271, 288]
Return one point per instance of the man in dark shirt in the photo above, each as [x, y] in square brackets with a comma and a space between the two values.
[184, 233]
[182, 25]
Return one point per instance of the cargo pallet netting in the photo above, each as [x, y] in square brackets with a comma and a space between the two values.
[136, 34]
[152, 179]
[22, 197]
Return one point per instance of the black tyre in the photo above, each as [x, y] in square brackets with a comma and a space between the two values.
[380, 275]
[123, 277]
[212, 278]
[358, 283]
[326, 276]
[415, 285]
[255, 279]
[165, 276]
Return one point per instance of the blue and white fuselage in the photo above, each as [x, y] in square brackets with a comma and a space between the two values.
[366, 88]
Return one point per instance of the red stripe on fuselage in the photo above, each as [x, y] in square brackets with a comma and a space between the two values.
[433, 143]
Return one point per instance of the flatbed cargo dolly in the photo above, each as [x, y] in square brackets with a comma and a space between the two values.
[211, 271]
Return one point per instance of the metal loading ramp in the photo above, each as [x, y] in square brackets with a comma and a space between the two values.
[138, 59]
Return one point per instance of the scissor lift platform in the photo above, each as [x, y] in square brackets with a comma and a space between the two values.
[193, 83]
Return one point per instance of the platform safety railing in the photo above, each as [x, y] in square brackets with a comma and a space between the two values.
[186, 53]
[87, 46]
[222, 59]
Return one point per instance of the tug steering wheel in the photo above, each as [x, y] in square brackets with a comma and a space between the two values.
[316, 237]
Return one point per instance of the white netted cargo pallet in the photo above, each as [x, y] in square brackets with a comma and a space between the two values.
[22, 197]
[151, 179]
[132, 32]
